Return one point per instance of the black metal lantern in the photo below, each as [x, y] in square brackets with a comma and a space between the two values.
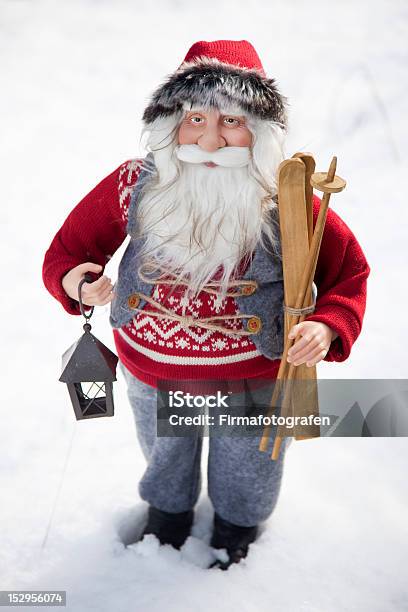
[89, 369]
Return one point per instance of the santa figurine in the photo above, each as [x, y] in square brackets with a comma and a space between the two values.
[199, 290]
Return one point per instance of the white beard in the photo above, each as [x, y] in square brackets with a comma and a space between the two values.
[198, 221]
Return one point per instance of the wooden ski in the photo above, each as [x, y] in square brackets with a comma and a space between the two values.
[295, 231]
[310, 166]
[310, 389]
[296, 222]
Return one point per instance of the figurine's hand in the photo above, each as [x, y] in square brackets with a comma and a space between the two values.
[97, 293]
[314, 344]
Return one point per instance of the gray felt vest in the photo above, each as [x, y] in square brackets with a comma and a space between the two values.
[265, 268]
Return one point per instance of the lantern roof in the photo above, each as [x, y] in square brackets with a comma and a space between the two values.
[88, 360]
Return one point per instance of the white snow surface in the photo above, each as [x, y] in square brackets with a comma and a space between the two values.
[75, 79]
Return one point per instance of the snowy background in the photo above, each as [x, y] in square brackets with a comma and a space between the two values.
[75, 79]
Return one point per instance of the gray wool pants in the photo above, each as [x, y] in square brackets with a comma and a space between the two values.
[243, 483]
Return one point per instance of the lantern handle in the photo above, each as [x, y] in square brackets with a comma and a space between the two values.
[86, 279]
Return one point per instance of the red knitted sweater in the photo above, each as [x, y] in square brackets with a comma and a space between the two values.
[154, 348]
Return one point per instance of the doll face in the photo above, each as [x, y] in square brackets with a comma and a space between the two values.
[212, 130]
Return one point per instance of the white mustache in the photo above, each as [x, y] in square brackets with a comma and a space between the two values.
[229, 157]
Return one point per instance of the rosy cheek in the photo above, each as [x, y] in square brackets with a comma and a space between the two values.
[239, 138]
[186, 135]
[246, 138]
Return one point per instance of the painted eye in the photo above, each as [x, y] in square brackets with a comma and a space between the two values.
[192, 119]
[231, 121]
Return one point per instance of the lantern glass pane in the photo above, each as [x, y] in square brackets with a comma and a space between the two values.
[92, 397]
[93, 389]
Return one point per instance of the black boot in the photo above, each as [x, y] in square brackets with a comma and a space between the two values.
[169, 527]
[234, 538]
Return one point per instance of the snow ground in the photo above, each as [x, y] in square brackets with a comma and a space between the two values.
[76, 77]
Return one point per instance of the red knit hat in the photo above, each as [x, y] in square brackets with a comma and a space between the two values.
[234, 52]
[218, 73]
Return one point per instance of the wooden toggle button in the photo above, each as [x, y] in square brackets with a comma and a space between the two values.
[133, 301]
[254, 325]
[248, 290]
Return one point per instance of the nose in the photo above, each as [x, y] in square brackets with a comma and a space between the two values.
[211, 139]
